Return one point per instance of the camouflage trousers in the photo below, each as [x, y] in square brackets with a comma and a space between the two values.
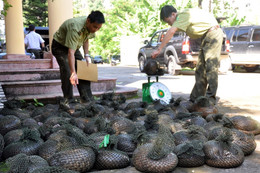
[206, 74]
[61, 54]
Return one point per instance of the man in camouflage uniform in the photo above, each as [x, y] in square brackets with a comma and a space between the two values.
[71, 35]
[197, 24]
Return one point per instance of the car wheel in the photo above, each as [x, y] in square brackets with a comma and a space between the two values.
[141, 63]
[171, 66]
[251, 68]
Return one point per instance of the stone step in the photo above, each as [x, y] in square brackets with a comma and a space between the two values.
[128, 92]
[14, 64]
[22, 88]
[29, 74]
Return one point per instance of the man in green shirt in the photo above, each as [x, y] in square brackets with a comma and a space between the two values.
[71, 35]
[197, 24]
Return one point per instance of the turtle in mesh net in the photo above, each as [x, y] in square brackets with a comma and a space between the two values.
[108, 156]
[192, 132]
[77, 158]
[222, 153]
[21, 163]
[122, 125]
[2, 144]
[51, 125]
[126, 143]
[98, 124]
[8, 123]
[244, 141]
[177, 106]
[111, 100]
[133, 105]
[157, 157]
[152, 67]
[217, 120]
[246, 124]
[63, 137]
[16, 135]
[28, 144]
[20, 113]
[14, 104]
[53, 169]
[30, 123]
[190, 154]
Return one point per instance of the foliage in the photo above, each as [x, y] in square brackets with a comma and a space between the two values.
[35, 12]
[37, 103]
[224, 8]
[5, 8]
[3, 167]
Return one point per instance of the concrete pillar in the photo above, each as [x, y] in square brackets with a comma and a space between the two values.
[58, 12]
[14, 31]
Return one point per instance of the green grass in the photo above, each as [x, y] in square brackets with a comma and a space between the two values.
[3, 167]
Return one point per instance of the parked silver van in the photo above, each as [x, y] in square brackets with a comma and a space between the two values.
[244, 46]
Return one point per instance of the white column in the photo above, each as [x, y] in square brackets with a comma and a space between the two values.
[14, 30]
[58, 12]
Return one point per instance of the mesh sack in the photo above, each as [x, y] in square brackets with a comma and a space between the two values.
[164, 144]
[22, 163]
[76, 158]
[151, 67]
[246, 124]
[244, 141]
[13, 136]
[190, 154]
[122, 125]
[222, 153]
[30, 123]
[20, 113]
[126, 143]
[29, 144]
[53, 169]
[52, 146]
[2, 144]
[144, 164]
[111, 159]
[151, 121]
[8, 123]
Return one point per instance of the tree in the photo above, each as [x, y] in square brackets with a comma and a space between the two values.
[35, 12]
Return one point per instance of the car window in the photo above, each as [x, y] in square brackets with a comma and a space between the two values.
[162, 36]
[256, 35]
[242, 35]
[228, 33]
[155, 38]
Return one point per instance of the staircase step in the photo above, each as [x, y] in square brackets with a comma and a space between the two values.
[6, 64]
[29, 74]
[52, 98]
[21, 88]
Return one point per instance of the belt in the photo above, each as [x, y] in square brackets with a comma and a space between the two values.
[213, 28]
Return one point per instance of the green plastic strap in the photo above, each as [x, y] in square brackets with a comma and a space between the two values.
[105, 142]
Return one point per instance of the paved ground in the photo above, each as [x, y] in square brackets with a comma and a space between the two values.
[239, 94]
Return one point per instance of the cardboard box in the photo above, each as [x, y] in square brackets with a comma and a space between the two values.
[85, 72]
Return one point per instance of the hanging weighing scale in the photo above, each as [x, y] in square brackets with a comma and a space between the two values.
[156, 91]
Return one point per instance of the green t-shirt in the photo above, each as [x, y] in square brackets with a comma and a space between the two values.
[195, 22]
[73, 33]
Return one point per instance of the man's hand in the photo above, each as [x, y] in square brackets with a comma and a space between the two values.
[155, 53]
[74, 79]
